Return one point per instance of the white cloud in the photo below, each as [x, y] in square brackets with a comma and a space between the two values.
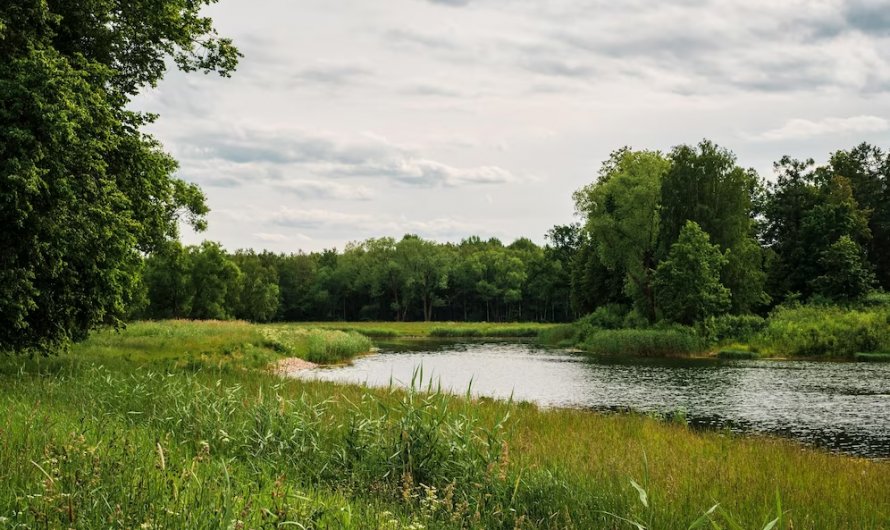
[562, 83]
[255, 152]
[800, 128]
[314, 189]
[363, 225]
[272, 238]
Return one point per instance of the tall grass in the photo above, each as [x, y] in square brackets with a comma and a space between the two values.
[824, 331]
[873, 357]
[323, 346]
[455, 332]
[88, 446]
[487, 331]
[643, 342]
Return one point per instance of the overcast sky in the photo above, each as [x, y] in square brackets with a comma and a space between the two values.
[350, 119]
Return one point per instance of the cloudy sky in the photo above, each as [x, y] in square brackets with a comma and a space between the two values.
[349, 119]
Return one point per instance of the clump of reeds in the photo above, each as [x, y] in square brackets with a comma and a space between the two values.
[873, 357]
[643, 342]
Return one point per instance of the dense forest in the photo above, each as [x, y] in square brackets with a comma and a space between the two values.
[677, 237]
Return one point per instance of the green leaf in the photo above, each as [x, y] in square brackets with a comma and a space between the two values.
[644, 497]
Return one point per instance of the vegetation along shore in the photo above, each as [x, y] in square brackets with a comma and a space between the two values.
[178, 425]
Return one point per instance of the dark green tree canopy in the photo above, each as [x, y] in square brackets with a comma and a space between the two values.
[688, 282]
[82, 190]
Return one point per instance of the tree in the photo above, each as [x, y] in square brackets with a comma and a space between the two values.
[622, 212]
[847, 276]
[594, 284]
[788, 201]
[705, 185]
[867, 168]
[258, 293]
[84, 192]
[166, 279]
[213, 280]
[426, 268]
[688, 282]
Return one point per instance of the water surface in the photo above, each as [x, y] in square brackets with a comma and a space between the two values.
[840, 406]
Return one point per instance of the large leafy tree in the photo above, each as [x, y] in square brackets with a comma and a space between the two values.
[82, 191]
[846, 273]
[426, 268]
[705, 185]
[688, 282]
[867, 168]
[622, 212]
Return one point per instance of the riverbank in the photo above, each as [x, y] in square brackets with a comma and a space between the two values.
[795, 332]
[408, 330]
[111, 435]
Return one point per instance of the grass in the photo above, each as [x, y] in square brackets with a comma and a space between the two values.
[737, 354]
[643, 343]
[873, 357]
[107, 438]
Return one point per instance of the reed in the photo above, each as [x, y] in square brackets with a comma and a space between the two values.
[643, 343]
[873, 357]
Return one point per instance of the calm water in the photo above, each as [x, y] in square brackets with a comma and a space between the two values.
[840, 406]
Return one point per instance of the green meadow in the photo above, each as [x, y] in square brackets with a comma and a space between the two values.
[181, 425]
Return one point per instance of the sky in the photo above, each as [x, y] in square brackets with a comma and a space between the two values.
[350, 119]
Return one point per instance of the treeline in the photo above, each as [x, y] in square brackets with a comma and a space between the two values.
[688, 235]
[677, 237]
[377, 279]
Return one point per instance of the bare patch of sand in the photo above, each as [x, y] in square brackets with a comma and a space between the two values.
[292, 364]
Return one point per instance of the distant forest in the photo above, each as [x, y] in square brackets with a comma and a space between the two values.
[679, 236]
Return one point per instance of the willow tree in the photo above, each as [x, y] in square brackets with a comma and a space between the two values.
[622, 213]
[84, 193]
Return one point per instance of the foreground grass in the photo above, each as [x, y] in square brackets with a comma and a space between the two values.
[109, 438]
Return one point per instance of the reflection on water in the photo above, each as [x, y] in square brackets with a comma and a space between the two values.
[841, 406]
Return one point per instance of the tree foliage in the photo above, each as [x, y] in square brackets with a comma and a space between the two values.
[688, 282]
[622, 212]
[83, 190]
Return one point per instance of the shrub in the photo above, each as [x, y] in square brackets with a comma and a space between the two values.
[740, 328]
[643, 343]
[809, 331]
[609, 316]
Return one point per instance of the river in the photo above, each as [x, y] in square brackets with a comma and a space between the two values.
[843, 407]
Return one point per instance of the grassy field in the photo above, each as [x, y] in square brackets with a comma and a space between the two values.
[170, 425]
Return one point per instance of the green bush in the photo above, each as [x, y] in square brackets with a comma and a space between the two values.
[643, 343]
[605, 317]
[740, 328]
[873, 357]
[877, 299]
[809, 331]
